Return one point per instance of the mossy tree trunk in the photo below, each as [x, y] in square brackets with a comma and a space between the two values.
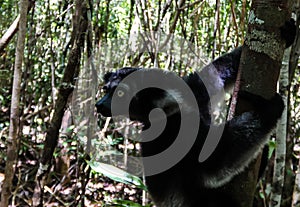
[260, 66]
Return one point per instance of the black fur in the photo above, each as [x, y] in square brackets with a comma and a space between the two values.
[190, 183]
[288, 32]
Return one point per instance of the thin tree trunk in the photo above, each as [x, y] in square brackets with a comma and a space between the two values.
[216, 29]
[12, 142]
[12, 30]
[280, 152]
[296, 193]
[65, 90]
[293, 67]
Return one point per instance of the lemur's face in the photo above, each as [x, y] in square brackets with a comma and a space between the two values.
[111, 82]
[104, 104]
[141, 101]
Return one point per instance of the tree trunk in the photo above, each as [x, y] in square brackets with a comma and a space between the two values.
[260, 64]
[296, 193]
[66, 88]
[12, 30]
[12, 142]
[294, 66]
[280, 152]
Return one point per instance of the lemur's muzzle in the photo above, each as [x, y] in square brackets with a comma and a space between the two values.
[104, 106]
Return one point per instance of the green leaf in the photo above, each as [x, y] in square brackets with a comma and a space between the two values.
[272, 147]
[116, 174]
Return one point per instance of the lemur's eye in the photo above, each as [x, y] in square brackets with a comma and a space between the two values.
[122, 89]
[120, 93]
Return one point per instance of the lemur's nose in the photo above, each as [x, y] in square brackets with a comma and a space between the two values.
[103, 106]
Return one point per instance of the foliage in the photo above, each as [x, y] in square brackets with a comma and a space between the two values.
[117, 174]
[211, 29]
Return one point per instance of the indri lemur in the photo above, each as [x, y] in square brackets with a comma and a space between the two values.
[190, 183]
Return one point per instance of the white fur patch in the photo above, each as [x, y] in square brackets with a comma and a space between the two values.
[225, 175]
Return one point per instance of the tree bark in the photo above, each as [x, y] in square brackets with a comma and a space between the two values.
[12, 142]
[66, 88]
[260, 65]
[281, 132]
[294, 66]
[296, 193]
[12, 30]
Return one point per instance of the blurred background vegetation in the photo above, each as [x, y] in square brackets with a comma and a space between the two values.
[210, 27]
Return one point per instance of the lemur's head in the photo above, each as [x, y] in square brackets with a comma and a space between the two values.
[111, 81]
[131, 96]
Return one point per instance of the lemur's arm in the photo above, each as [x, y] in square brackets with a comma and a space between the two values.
[221, 73]
[243, 138]
[227, 66]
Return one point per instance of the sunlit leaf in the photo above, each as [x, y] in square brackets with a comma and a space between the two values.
[116, 174]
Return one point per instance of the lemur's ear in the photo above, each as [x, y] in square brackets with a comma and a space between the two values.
[107, 76]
